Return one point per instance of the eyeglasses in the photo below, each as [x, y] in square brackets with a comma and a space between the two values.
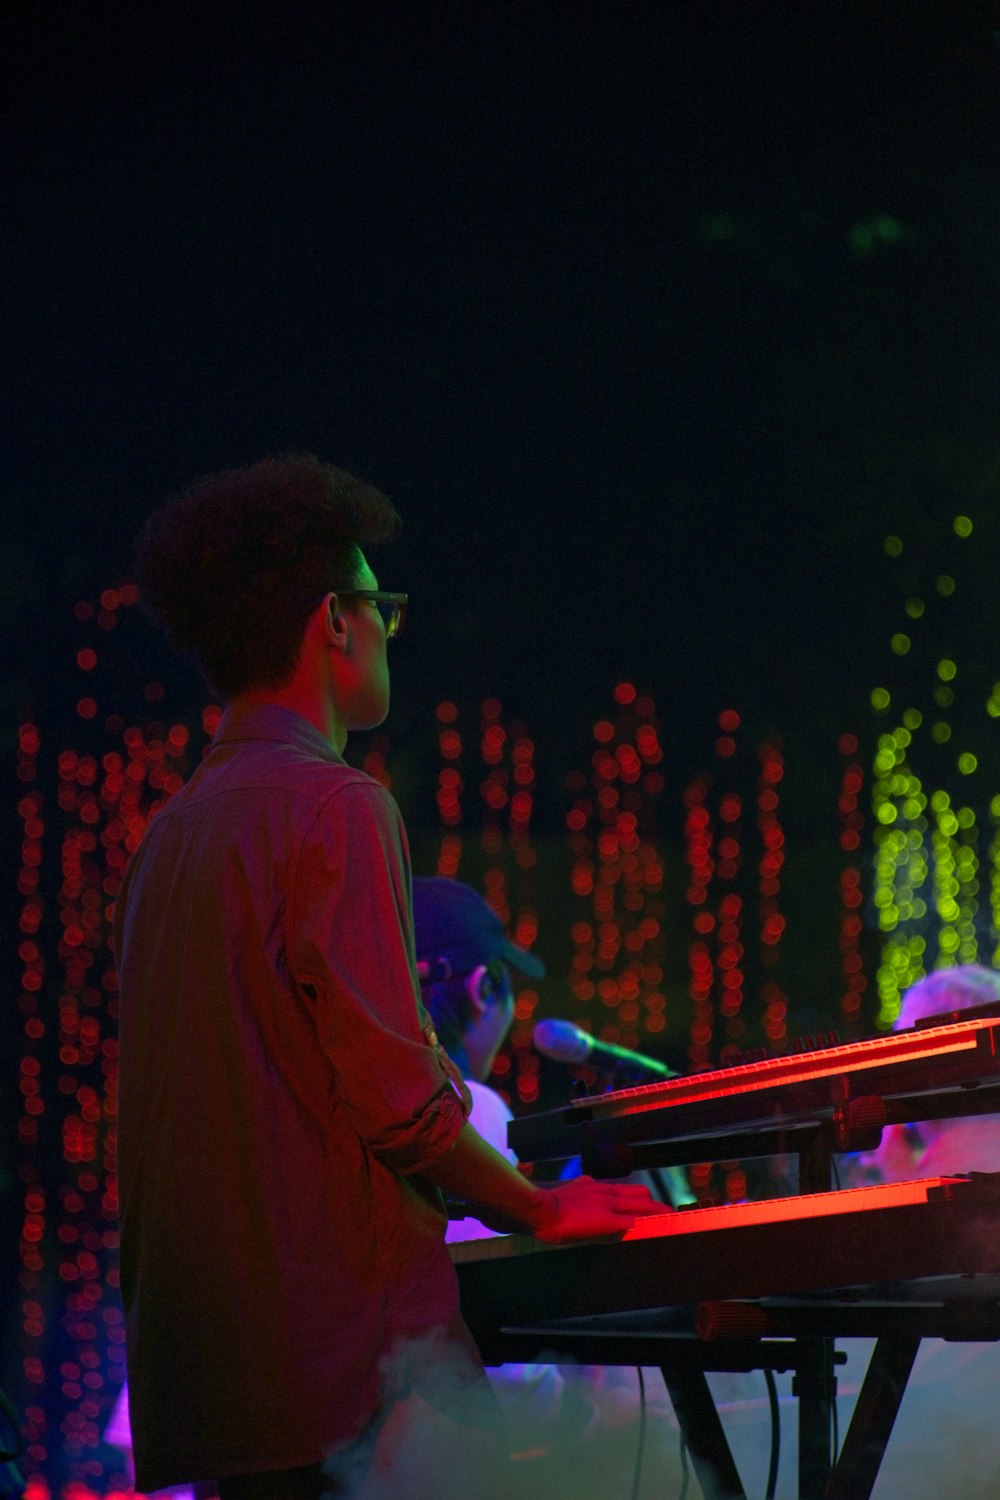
[392, 607]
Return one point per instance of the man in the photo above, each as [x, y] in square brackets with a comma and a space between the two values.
[938, 1148]
[580, 1423]
[944, 1439]
[464, 959]
[288, 1117]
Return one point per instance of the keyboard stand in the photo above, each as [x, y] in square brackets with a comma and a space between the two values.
[800, 1340]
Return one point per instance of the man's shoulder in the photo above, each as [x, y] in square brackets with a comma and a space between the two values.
[293, 768]
[348, 786]
[321, 782]
[264, 776]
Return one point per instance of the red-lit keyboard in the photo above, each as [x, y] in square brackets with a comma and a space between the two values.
[775, 1091]
[940, 1226]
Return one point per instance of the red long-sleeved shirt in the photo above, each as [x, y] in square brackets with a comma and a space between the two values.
[280, 1094]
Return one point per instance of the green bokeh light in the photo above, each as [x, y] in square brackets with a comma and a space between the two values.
[719, 227]
[963, 526]
[930, 858]
[881, 229]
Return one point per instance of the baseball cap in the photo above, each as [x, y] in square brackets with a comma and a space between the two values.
[451, 921]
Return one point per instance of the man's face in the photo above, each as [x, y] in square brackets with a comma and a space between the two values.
[492, 996]
[366, 667]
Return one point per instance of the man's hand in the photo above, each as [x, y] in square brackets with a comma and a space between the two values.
[502, 1198]
[583, 1209]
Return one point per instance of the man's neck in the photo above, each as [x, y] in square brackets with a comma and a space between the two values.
[314, 707]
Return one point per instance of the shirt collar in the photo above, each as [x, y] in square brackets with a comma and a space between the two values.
[269, 721]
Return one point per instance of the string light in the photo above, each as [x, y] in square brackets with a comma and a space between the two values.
[73, 1338]
[772, 858]
[699, 835]
[994, 869]
[729, 953]
[718, 890]
[853, 979]
[450, 784]
[35, 1084]
[507, 807]
[929, 849]
[902, 869]
[616, 875]
[928, 863]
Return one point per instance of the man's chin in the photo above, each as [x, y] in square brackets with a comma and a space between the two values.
[370, 718]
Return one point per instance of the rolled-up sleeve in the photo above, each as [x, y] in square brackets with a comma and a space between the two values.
[350, 949]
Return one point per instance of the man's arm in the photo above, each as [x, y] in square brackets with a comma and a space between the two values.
[354, 950]
[350, 950]
[504, 1199]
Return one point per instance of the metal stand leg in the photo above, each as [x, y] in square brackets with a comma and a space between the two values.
[815, 1385]
[702, 1430]
[875, 1412]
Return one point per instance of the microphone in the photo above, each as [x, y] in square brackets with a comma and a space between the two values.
[563, 1042]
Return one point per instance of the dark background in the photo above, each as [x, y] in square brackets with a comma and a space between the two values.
[654, 320]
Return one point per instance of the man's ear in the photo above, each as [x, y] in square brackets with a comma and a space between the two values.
[474, 985]
[331, 621]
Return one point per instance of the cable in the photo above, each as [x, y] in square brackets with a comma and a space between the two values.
[639, 1452]
[10, 1451]
[772, 1470]
[12, 1446]
[835, 1429]
[685, 1470]
[12, 1482]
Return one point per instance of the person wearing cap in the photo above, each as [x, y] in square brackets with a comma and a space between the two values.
[582, 1419]
[464, 958]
